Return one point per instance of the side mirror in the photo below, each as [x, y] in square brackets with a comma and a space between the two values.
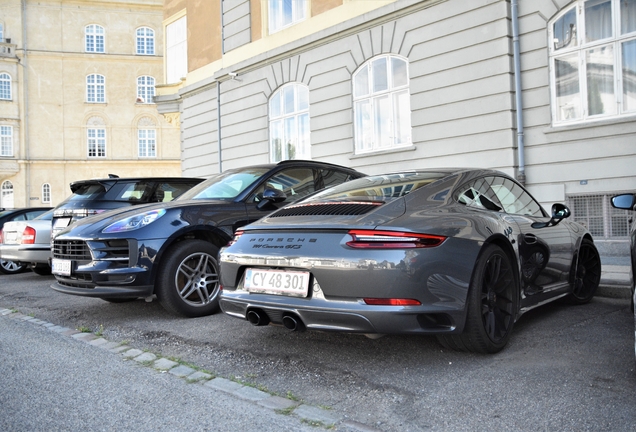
[559, 212]
[624, 201]
[271, 196]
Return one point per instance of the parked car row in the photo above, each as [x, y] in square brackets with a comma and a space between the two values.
[457, 253]
[12, 227]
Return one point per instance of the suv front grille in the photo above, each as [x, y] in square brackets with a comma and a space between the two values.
[71, 250]
[328, 209]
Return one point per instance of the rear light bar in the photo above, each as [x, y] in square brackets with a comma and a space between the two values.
[77, 212]
[237, 235]
[372, 239]
[391, 302]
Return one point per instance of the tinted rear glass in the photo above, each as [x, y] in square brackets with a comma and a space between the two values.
[379, 187]
[87, 192]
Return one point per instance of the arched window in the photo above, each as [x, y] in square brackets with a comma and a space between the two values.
[6, 197]
[145, 89]
[289, 123]
[5, 86]
[6, 141]
[95, 38]
[95, 88]
[382, 106]
[147, 138]
[593, 60]
[145, 41]
[46, 193]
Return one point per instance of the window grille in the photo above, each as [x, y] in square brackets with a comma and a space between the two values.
[596, 213]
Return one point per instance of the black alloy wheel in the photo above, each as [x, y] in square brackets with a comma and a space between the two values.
[587, 274]
[492, 305]
[188, 279]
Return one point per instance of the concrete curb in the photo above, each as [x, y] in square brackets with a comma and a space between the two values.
[312, 415]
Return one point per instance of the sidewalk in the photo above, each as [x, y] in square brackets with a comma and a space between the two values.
[615, 277]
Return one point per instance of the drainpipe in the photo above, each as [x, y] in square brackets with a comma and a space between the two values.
[218, 122]
[25, 88]
[521, 176]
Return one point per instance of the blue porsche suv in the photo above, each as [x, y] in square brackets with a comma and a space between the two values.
[169, 249]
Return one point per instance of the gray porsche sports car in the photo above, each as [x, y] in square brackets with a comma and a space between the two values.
[461, 254]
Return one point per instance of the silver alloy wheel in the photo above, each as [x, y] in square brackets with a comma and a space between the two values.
[11, 267]
[197, 279]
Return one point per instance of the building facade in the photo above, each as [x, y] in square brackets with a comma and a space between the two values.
[77, 85]
[543, 90]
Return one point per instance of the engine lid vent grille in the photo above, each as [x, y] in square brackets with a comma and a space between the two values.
[345, 208]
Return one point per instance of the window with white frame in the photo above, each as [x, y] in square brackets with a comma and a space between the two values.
[145, 41]
[285, 13]
[1, 32]
[96, 142]
[382, 106]
[5, 86]
[596, 213]
[289, 123]
[176, 50]
[46, 193]
[6, 195]
[95, 88]
[95, 38]
[593, 60]
[145, 89]
[6, 141]
[147, 142]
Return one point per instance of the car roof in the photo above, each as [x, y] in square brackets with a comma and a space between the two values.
[110, 181]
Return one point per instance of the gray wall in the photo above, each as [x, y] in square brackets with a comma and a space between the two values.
[236, 24]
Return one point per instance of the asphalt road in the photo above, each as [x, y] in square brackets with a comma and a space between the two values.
[566, 368]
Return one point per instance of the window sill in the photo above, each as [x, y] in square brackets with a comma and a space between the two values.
[385, 152]
[590, 124]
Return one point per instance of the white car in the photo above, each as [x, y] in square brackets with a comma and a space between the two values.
[28, 242]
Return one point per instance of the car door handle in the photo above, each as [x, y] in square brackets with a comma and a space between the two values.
[530, 238]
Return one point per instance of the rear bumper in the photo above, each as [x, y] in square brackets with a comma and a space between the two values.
[26, 254]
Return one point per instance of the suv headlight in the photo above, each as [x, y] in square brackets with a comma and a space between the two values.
[134, 222]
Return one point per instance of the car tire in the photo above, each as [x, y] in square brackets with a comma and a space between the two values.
[586, 274]
[41, 269]
[492, 305]
[188, 279]
[11, 267]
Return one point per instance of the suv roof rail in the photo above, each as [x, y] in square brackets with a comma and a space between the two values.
[290, 161]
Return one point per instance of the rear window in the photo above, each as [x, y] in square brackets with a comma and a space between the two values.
[87, 192]
[379, 187]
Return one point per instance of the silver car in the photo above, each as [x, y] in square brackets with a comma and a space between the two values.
[28, 242]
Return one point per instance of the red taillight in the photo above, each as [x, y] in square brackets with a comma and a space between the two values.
[28, 235]
[237, 235]
[391, 302]
[1, 237]
[371, 239]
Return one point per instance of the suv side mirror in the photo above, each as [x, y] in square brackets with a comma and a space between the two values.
[559, 212]
[271, 196]
[624, 201]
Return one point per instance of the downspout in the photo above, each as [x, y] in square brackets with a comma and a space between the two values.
[25, 89]
[521, 175]
[218, 122]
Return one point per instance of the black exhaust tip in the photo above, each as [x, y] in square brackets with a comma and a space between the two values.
[293, 323]
[257, 317]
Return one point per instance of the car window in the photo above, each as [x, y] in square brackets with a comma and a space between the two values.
[87, 192]
[33, 214]
[379, 187]
[135, 192]
[167, 191]
[46, 215]
[514, 199]
[294, 182]
[19, 217]
[478, 194]
[329, 178]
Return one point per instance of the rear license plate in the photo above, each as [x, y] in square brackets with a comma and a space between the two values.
[61, 267]
[280, 282]
[11, 237]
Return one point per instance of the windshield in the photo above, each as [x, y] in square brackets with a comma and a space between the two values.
[379, 187]
[227, 185]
